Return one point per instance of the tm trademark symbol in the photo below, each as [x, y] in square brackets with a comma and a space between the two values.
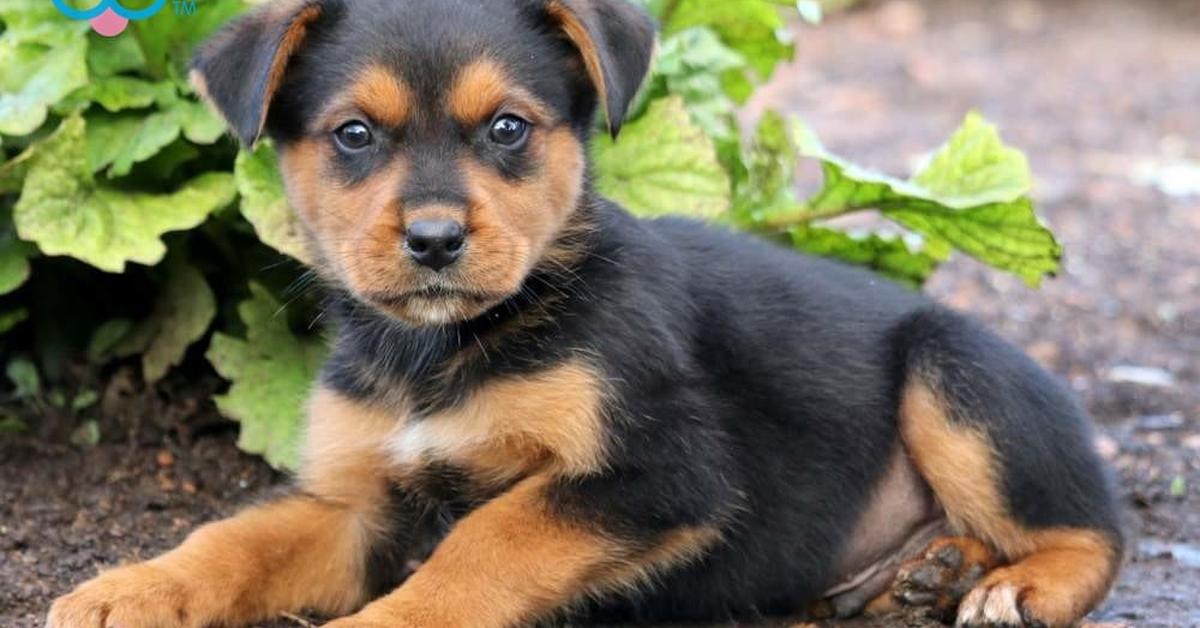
[184, 7]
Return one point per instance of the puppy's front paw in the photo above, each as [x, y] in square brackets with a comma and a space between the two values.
[138, 596]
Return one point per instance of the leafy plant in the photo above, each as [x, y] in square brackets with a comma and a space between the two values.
[132, 229]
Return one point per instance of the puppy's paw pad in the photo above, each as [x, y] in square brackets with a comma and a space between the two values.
[943, 575]
[130, 597]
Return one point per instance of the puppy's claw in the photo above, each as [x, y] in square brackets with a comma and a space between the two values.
[939, 579]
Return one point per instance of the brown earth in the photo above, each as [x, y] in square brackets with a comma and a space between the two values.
[1102, 94]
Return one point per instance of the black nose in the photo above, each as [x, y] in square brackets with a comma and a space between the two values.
[435, 244]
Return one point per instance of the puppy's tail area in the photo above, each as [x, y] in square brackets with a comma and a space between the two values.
[1010, 456]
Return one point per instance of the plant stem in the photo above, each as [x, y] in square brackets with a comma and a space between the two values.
[802, 215]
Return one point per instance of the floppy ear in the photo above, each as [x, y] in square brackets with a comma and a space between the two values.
[240, 68]
[616, 40]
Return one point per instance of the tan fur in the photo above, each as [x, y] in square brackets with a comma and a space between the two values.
[511, 427]
[513, 225]
[958, 462]
[1059, 583]
[343, 455]
[482, 88]
[382, 96]
[974, 551]
[229, 572]
[1057, 574]
[513, 561]
[357, 229]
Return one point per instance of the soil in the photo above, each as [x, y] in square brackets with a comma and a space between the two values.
[1102, 94]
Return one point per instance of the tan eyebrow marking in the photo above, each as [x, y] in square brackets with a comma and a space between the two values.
[382, 95]
[483, 87]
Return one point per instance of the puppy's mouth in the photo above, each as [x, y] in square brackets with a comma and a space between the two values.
[436, 304]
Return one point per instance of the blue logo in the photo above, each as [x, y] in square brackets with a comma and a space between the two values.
[109, 18]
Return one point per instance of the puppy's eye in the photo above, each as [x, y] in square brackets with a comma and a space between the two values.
[509, 131]
[353, 137]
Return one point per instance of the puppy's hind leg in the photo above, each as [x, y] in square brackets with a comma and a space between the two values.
[1010, 458]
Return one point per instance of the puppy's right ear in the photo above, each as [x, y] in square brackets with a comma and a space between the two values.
[240, 68]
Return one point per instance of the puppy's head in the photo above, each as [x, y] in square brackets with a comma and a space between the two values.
[434, 149]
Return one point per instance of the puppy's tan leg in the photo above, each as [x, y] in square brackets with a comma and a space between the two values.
[297, 553]
[514, 560]
[1055, 574]
[303, 552]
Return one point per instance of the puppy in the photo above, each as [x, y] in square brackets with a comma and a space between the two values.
[599, 418]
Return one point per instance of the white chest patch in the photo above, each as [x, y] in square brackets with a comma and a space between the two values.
[447, 438]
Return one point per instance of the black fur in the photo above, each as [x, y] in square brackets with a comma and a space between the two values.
[237, 65]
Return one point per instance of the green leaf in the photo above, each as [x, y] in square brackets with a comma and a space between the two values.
[168, 161]
[24, 377]
[1178, 486]
[108, 136]
[44, 58]
[84, 399]
[272, 371]
[264, 203]
[87, 435]
[663, 164]
[9, 319]
[66, 212]
[976, 168]
[106, 338]
[768, 162]
[149, 135]
[109, 56]
[118, 141]
[754, 28]
[971, 196]
[12, 425]
[1007, 236]
[690, 64]
[889, 255]
[199, 124]
[14, 256]
[116, 93]
[181, 316]
[12, 172]
[167, 40]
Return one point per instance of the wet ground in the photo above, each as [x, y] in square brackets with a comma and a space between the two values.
[1104, 95]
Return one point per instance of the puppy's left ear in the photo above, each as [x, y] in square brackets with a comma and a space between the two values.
[616, 40]
[240, 68]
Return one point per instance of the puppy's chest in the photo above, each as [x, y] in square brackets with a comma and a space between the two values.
[505, 430]
[457, 452]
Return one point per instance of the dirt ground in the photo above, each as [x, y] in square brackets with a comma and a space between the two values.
[1104, 95]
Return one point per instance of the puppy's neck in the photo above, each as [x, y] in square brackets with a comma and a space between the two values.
[383, 359]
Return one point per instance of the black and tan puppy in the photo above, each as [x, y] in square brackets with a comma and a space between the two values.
[614, 419]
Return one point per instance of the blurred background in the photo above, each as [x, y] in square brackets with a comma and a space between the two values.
[1104, 98]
